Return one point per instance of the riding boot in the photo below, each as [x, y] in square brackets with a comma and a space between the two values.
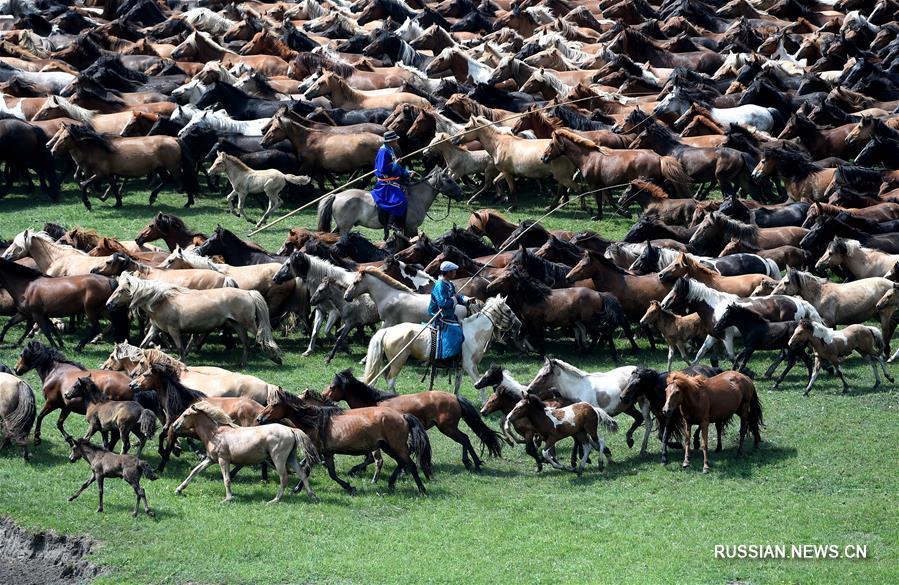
[398, 223]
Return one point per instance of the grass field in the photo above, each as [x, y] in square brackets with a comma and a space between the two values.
[825, 474]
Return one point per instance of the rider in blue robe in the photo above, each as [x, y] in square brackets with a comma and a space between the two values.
[443, 301]
[388, 194]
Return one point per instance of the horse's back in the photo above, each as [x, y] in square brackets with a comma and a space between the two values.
[726, 392]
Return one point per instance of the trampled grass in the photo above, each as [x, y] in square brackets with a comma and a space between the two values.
[826, 473]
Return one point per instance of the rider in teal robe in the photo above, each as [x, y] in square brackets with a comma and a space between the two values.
[443, 301]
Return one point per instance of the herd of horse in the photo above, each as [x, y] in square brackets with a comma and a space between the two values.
[788, 108]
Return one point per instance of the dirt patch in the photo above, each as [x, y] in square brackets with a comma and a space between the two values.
[43, 558]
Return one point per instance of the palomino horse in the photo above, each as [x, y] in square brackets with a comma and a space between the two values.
[600, 389]
[343, 96]
[842, 303]
[17, 411]
[226, 442]
[114, 419]
[676, 330]
[580, 421]
[176, 310]
[356, 207]
[495, 319]
[58, 374]
[192, 278]
[701, 400]
[356, 431]
[245, 181]
[835, 346]
[397, 303]
[431, 408]
[102, 158]
[516, 157]
[213, 381]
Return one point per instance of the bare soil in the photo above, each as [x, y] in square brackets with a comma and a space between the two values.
[45, 558]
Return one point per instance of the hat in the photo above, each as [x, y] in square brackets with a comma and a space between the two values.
[390, 136]
[447, 266]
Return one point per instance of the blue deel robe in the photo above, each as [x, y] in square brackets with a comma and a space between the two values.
[388, 195]
[449, 336]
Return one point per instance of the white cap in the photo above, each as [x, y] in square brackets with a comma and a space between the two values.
[447, 266]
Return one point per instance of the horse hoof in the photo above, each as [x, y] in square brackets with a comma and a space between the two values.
[705, 469]
[100, 510]
[37, 441]
[685, 465]
[134, 514]
[352, 491]
[151, 513]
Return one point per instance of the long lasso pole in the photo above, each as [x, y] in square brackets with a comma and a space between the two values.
[448, 139]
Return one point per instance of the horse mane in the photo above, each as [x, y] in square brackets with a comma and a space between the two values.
[655, 191]
[686, 381]
[577, 139]
[153, 357]
[316, 62]
[46, 354]
[360, 388]
[84, 133]
[218, 416]
[695, 264]
[385, 278]
[531, 290]
[178, 396]
[318, 417]
[733, 228]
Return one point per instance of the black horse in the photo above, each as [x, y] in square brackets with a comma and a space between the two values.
[235, 251]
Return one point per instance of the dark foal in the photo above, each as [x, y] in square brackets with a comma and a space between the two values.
[108, 464]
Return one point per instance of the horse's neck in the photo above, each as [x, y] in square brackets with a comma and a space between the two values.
[491, 139]
[346, 93]
[421, 197]
[207, 430]
[44, 254]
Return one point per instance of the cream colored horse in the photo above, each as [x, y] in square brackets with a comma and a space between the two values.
[211, 380]
[495, 318]
[176, 310]
[343, 96]
[17, 411]
[51, 258]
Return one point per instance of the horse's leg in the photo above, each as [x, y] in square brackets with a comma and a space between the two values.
[359, 468]
[301, 472]
[456, 434]
[645, 411]
[63, 415]
[84, 191]
[638, 420]
[244, 340]
[706, 345]
[705, 446]
[202, 465]
[885, 372]
[815, 371]
[670, 357]
[91, 333]
[341, 338]
[842, 378]
[873, 365]
[114, 185]
[274, 202]
[687, 425]
[230, 198]
[718, 428]
[83, 487]
[14, 320]
[332, 473]
[100, 493]
[773, 367]
[281, 468]
[316, 327]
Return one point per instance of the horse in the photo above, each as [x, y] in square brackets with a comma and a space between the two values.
[828, 228]
[804, 180]
[857, 260]
[399, 342]
[431, 408]
[676, 330]
[298, 236]
[105, 464]
[100, 157]
[462, 163]
[396, 302]
[759, 333]
[835, 346]
[214, 381]
[39, 298]
[51, 258]
[57, 374]
[679, 100]
[656, 259]
[114, 419]
[344, 96]
[17, 411]
[226, 442]
[245, 181]
[717, 229]
[353, 315]
[580, 421]
[172, 230]
[655, 202]
[701, 400]
[842, 303]
[686, 265]
[173, 310]
[600, 389]
[193, 278]
[781, 256]
[355, 432]
[356, 207]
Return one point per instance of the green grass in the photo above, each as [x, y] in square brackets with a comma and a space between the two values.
[826, 473]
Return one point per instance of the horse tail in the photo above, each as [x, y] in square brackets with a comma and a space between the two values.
[19, 421]
[773, 269]
[756, 420]
[674, 172]
[325, 207]
[188, 169]
[147, 422]
[230, 283]
[419, 444]
[779, 122]
[374, 356]
[489, 438]
[303, 443]
[614, 312]
[264, 327]
[879, 345]
[147, 470]
[297, 179]
[606, 421]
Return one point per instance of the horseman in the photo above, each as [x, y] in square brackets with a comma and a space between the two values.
[443, 303]
[388, 193]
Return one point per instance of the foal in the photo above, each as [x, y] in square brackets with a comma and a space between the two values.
[580, 420]
[675, 329]
[108, 464]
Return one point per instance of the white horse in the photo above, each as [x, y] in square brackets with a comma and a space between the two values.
[221, 122]
[461, 162]
[495, 318]
[601, 389]
[756, 117]
[191, 91]
[246, 181]
[208, 21]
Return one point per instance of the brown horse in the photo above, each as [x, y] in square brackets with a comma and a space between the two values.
[172, 230]
[324, 151]
[701, 400]
[655, 202]
[717, 229]
[676, 330]
[87, 240]
[38, 298]
[687, 265]
[439, 409]
[885, 211]
[298, 236]
[57, 375]
[104, 158]
[105, 464]
[803, 179]
[114, 419]
[356, 432]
